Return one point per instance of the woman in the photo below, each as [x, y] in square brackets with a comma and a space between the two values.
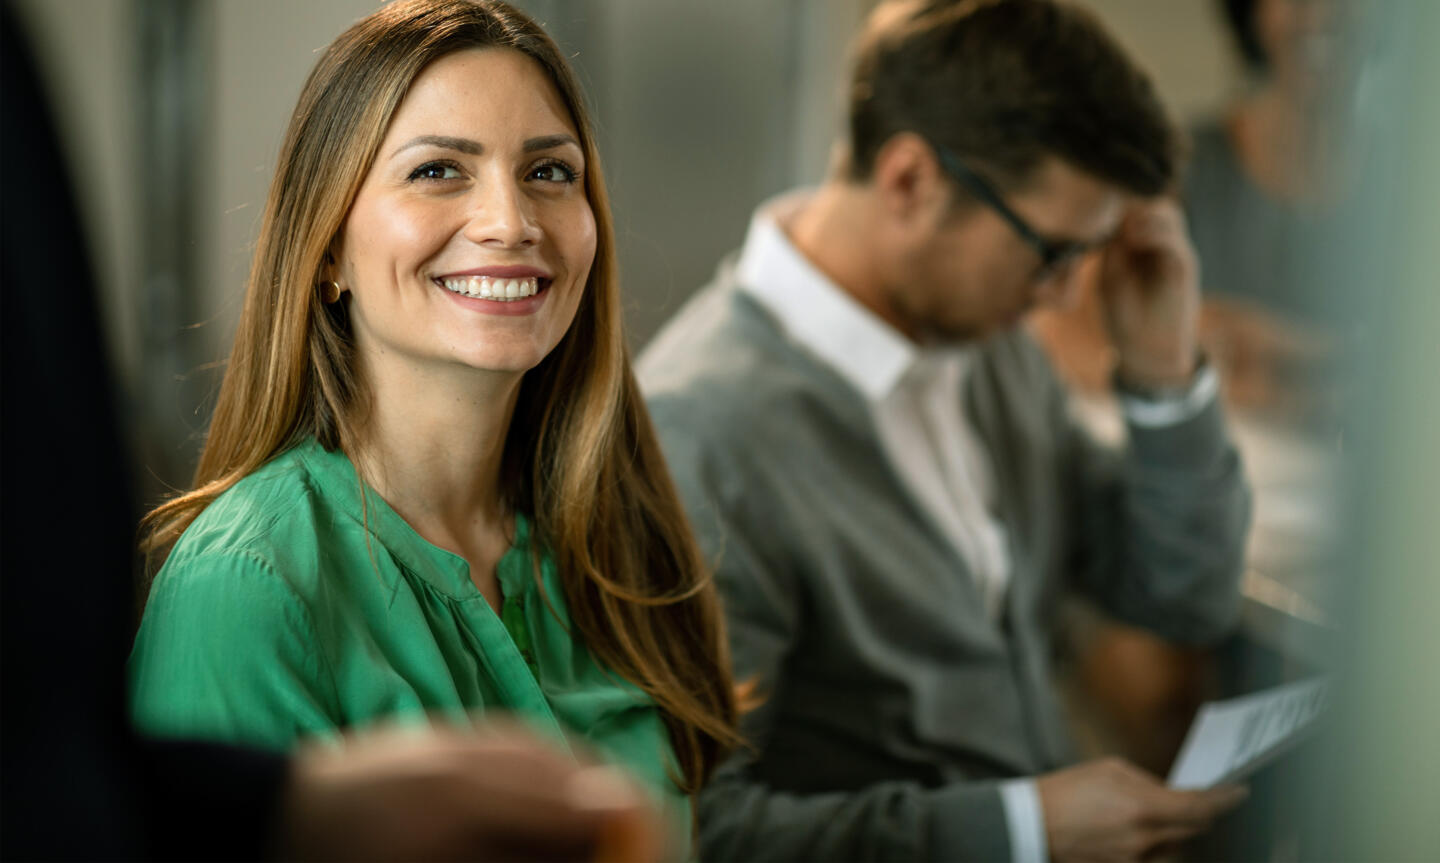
[430, 486]
[1264, 198]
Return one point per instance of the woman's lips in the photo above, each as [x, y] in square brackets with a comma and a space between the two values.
[511, 271]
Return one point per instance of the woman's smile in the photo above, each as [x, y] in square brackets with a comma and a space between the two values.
[498, 290]
[510, 297]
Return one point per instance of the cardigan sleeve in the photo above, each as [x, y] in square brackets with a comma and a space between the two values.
[228, 652]
[1160, 526]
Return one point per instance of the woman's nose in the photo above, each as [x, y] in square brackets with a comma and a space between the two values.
[502, 216]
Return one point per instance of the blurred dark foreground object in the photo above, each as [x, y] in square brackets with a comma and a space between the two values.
[76, 783]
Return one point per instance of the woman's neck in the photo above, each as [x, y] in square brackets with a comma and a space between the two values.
[432, 448]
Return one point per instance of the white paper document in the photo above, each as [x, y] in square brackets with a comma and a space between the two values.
[1231, 739]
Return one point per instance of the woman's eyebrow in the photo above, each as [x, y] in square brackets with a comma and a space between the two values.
[546, 142]
[475, 148]
[463, 145]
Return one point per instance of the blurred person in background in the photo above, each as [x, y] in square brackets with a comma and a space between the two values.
[430, 486]
[77, 783]
[883, 464]
[1262, 194]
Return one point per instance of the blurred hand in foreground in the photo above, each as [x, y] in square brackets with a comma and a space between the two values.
[444, 794]
[1111, 810]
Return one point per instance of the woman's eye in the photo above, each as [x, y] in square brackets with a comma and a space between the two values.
[554, 172]
[435, 171]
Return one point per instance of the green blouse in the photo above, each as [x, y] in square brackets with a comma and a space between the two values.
[288, 611]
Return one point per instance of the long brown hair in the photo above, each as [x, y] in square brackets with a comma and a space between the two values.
[581, 456]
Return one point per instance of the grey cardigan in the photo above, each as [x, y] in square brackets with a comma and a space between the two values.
[893, 704]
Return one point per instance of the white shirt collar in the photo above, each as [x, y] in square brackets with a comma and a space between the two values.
[870, 354]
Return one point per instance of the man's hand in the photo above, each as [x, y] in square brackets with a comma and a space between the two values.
[1150, 287]
[441, 794]
[1112, 810]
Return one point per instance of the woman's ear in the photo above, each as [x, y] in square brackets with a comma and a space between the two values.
[330, 264]
[329, 281]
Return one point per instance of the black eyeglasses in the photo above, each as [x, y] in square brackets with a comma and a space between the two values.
[1054, 254]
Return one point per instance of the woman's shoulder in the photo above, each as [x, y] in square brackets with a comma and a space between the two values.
[266, 518]
[229, 647]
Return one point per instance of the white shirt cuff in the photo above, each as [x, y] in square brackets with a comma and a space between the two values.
[1025, 821]
[1176, 409]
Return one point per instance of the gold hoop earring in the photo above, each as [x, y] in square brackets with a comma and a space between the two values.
[329, 291]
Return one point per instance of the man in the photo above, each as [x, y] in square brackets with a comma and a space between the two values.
[882, 466]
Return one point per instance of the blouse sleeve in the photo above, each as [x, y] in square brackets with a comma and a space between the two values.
[227, 651]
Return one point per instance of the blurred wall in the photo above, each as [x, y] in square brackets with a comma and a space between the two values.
[92, 89]
[1184, 44]
[703, 110]
[263, 52]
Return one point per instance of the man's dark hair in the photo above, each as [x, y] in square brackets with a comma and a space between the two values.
[1004, 84]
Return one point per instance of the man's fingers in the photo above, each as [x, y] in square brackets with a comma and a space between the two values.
[1217, 801]
[1148, 222]
[1163, 850]
[1198, 808]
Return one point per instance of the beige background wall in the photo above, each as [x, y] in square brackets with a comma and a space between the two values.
[264, 52]
[1184, 44]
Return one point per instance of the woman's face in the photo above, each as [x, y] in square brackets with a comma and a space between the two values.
[470, 241]
[1296, 37]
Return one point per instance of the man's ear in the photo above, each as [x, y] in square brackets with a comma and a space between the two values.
[908, 180]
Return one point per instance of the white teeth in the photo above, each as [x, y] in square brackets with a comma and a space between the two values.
[496, 289]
